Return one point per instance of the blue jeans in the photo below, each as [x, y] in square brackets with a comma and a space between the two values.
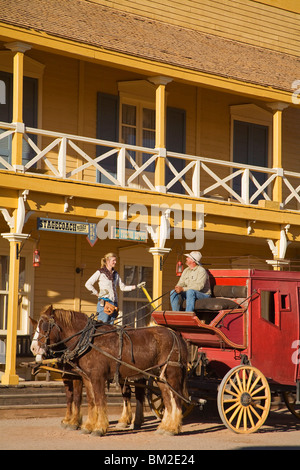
[103, 316]
[190, 296]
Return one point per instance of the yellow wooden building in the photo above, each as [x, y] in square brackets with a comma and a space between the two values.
[147, 129]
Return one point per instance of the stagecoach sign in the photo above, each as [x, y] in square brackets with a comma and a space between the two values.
[68, 226]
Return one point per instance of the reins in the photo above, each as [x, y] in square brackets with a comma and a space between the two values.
[85, 341]
[86, 328]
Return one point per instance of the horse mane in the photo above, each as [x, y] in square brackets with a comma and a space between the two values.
[66, 317]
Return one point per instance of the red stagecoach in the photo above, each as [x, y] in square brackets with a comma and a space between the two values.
[247, 339]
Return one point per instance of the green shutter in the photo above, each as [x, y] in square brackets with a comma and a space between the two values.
[175, 142]
[6, 116]
[107, 129]
[30, 94]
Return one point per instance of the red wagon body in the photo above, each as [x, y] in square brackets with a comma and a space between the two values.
[252, 318]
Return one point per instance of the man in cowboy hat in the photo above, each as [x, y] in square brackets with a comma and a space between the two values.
[192, 285]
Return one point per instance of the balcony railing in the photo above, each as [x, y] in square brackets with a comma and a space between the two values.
[72, 157]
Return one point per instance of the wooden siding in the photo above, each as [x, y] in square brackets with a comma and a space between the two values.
[249, 21]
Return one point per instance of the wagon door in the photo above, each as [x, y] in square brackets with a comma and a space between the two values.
[274, 327]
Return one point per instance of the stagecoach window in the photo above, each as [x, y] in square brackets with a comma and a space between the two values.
[134, 300]
[268, 305]
[285, 302]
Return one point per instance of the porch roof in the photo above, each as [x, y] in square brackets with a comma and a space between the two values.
[106, 28]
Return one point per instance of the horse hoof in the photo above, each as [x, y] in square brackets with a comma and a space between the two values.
[121, 425]
[159, 431]
[73, 427]
[85, 431]
[98, 432]
[164, 432]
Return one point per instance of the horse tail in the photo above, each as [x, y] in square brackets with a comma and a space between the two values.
[183, 360]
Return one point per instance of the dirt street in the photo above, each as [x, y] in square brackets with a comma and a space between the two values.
[201, 431]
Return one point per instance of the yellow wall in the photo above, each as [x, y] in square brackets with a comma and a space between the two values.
[70, 105]
[268, 23]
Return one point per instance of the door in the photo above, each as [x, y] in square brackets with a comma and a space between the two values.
[274, 327]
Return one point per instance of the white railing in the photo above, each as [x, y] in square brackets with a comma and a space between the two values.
[63, 157]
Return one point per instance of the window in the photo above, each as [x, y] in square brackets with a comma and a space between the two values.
[133, 313]
[130, 118]
[285, 302]
[23, 295]
[267, 305]
[138, 128]
[271, 305]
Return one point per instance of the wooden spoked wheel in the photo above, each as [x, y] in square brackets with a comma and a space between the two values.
[244, 399]
[290, 401]
[156, 403]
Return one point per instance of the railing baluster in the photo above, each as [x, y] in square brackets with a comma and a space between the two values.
[245, 186]
[62, 158]
[121, 171]
[196, 179]
[194, 166]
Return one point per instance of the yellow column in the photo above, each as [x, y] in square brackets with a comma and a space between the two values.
[159, 181]
[18, 67]
[160, 130]
[15, 239]
[158, 254]
[277, 109]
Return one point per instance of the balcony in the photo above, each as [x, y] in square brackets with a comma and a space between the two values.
[76, 158]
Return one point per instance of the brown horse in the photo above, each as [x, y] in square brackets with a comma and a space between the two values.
[113, 352]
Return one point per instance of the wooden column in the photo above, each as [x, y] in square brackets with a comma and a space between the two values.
[160, 130]
[158, 254]
[277, 109]
[19, 49]
[15, 239]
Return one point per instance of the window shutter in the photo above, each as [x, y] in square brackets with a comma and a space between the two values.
[107, 129]
[175, 142]
[30, 97]
[30, 106]
[6, 116]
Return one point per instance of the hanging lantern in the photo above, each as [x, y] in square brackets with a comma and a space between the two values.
[36, 258]
[179, 268]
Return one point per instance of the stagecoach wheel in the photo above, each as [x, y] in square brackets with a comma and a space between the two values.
[244, 399]
[156, 403]
[290, 401]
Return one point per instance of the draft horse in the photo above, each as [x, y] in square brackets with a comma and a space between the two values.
[110, 352]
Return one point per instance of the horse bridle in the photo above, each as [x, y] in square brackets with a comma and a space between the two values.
[46, 335]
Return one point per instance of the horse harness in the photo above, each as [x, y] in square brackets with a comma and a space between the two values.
[85, 341]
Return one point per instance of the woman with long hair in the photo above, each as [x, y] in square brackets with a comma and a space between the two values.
[108, 281]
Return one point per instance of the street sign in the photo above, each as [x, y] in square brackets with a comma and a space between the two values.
[68, 226]
[128, 234]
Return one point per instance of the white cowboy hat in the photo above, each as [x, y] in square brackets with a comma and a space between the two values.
[195, 256]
